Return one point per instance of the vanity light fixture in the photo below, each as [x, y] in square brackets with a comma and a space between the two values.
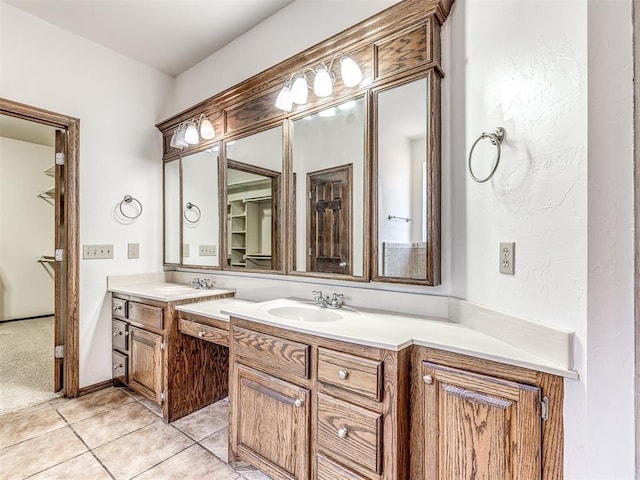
[296, 89]
[191, 131]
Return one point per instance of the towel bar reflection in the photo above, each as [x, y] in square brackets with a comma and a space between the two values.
[129, 200]
[496, 138]
[392, 217]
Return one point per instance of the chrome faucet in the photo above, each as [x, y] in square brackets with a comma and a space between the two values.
[202, 283]
[334, 302]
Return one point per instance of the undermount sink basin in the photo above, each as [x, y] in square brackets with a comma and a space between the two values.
[305, 313]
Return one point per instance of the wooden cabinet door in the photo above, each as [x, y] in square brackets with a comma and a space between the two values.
[145, 363]
[479, 427]
[270, 423]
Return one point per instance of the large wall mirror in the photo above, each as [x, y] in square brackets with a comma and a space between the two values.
[342, 183]
[253, 200]
[200, 209]
[402, 181]
[172, 212]
[328, 164]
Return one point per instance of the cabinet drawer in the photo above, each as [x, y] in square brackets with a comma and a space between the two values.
[327, 470]
[120, 366]
[205, 332]
[276, 353]
[119, 307]
[120, 332]
[350, 434]
[146, 315]
[356, 374]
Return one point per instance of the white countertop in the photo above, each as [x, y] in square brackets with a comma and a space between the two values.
[166, 292]
[393, 332]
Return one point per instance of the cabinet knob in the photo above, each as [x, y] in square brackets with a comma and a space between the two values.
[428, 379]
[342, 432]
[115, 367]
[201, 334]
[115, 334]
[298, 402]
[343, 374]
[116, 308]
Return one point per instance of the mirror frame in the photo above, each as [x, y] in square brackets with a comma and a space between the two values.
[399, 44]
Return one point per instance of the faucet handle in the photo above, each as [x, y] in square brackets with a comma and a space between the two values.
[317, 293]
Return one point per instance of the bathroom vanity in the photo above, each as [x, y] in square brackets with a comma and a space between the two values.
[152, 357]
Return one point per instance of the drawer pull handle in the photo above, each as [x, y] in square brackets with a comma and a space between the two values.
[115, 334]
[201, 334]
[298, 402]
[115, 367]
[343, 374]
[428, 379]
[342, 432]
[117, 307]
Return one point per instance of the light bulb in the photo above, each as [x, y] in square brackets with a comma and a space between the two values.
[285, 98]
[191, 134]
[350, 72]
[322, 84]
[172, 143]
[347, 105]
[299, 89]
[180, 141]
[206, 129]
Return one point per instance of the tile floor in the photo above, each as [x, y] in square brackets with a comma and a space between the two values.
[115, 434]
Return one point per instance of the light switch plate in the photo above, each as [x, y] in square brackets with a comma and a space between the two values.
[185, 250]
[133, 251]
[94, 252]
[208, 250]
[507, 257]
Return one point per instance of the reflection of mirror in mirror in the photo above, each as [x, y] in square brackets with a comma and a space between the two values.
[402, 181]
[200, 217]
[328, 169]
[172, 212]
[254, 176]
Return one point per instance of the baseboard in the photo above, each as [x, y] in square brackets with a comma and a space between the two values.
[95, 387]
[28, 318]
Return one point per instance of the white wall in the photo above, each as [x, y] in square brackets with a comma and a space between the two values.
[118, 101]
[27, 226]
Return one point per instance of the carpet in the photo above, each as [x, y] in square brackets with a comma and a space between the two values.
[26, 363]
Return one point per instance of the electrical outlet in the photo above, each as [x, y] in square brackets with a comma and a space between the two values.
[185, 250]
[93, 252]
[208, 250]
[133, 251]
[507, 257]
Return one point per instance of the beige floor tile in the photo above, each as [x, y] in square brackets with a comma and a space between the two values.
[204, 422]
[193, 463]
[135, 395]
[255, 475]
[83, 467]
[101, 401]
[34, 423]
[138, 451]
[24, 411]
[218, 444]
[38, 454]
[116, 423]
[154, 407]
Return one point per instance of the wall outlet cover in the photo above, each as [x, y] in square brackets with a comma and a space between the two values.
[95, 252]
[133, 251]
[185, 250]
[507, 257]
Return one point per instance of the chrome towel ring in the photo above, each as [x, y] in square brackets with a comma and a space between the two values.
[496, 138]
[191, 207]
[128, 199]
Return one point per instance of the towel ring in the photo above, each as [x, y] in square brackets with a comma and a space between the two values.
[194, 207]
[128, 199]
[496, 138]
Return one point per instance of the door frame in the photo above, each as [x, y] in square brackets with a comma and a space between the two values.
[71, 360]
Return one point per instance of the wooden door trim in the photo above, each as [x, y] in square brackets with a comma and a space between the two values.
[71, 211]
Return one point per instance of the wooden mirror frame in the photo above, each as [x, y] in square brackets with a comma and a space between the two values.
[397, 44]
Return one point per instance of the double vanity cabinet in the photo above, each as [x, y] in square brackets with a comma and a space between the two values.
[343, 394]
